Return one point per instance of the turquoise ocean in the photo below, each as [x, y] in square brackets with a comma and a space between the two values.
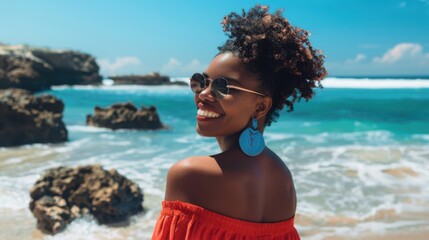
[358, 152]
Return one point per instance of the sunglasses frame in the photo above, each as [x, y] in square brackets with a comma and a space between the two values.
[228, 86]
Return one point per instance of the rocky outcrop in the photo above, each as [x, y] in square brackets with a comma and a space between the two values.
[126, 116]
[26, 119]
[62, 194]
[150, 79]
[36, 69]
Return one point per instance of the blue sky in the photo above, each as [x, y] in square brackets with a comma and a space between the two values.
[358, 37]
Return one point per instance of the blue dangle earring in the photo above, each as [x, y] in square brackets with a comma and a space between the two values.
[251, 140]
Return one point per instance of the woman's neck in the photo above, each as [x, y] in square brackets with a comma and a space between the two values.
[228, 142]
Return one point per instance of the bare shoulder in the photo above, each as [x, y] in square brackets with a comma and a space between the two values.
[192, 166]
[185, 175]
[278, 166]
[280, 190]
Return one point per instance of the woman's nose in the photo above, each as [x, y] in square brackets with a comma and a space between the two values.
[207, 94]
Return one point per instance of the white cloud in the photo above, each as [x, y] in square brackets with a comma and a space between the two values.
[359, 58]
[118, 63]
[171, 65]
[176, 68]
[400, 51]
[402, 59]
[194, 66]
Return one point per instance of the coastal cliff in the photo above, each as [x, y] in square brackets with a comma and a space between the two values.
[37, 69]
[149, 79]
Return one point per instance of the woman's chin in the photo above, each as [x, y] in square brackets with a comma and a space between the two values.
[207, 132]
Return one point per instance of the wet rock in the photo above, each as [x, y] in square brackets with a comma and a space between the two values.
[52, 214]
[63, 194]
[26, 119]
[125, 116]
[36, 69]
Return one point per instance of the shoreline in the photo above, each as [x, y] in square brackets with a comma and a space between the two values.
[142, 226]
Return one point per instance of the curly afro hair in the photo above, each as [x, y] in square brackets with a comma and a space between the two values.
[278, 54]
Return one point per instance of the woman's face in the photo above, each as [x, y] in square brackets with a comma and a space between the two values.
[231, 114]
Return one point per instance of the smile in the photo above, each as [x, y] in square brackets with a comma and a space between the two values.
[207, 114]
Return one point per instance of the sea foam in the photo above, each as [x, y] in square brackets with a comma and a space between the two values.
[330, 82]
[374, 83]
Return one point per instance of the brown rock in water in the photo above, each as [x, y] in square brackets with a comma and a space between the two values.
[26, 119]
[149, 79]
[63, 194]
[125, 116]
[36, 69]
[52, 214]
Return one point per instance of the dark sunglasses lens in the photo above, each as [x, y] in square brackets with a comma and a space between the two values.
[197, 83]
[219, 87]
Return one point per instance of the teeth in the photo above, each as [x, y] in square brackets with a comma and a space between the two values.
[208, 114]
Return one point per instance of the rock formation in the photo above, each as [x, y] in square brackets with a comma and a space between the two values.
[125, 115]
[36, 69]
[63, 194]
[150, 79]
[26, 119]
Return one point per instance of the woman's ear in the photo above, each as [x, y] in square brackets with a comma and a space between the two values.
[262, 107]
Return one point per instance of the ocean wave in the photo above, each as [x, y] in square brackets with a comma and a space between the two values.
[180, 79]
[421, 137]
[341, 188]
[158, 88]
[329, 138]
[330, 82]
[87, 129]
[372, 176]
[13, 199]
[374, 83]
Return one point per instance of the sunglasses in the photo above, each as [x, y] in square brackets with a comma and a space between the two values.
[219, 86]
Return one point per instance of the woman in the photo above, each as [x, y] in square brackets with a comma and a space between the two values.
[246, 191]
